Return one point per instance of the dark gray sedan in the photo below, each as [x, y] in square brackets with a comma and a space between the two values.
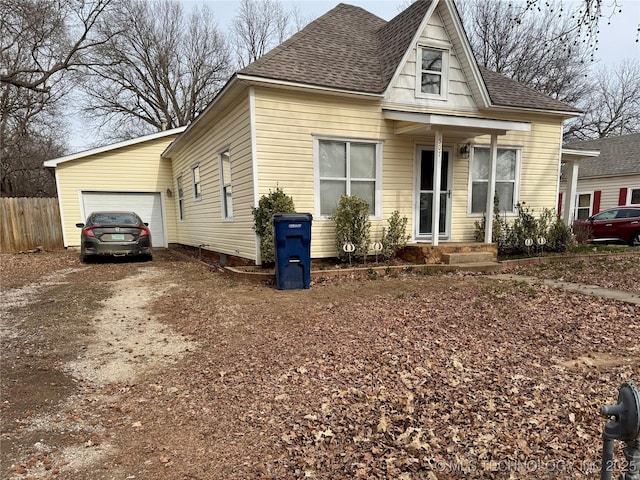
[114, 234]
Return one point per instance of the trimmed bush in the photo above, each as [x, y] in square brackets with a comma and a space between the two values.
[352, 226]
[510, 236]
[394, 237]
[275, 202]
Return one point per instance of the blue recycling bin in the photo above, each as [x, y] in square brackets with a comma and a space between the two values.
[292, 241]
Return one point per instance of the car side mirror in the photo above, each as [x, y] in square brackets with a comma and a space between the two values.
[146, 224]
[80, 225]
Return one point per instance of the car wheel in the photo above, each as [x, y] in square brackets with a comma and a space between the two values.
[635, 239]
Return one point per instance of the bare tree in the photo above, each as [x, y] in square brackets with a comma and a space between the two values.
[612, 107]
[160, 72]
[261, 25]
[538, 49]
[42, 39]
[41, 42]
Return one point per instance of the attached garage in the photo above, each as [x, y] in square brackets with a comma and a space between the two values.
[148, 206]
[126, 176]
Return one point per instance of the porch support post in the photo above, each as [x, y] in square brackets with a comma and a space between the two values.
[491, 188]
[570, 193]
[437, 173]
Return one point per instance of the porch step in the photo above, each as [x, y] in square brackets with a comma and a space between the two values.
[465, 258]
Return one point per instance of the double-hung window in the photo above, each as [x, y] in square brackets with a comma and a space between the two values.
[507, 168]
[432, 72]
[225, 185]
[180, 199]
[584, 205]
[347, 168]
[633, 196]
[197, 187]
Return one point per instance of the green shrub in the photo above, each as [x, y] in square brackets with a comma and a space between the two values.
[559, 236]
[275, 202]
[352, 226]
[394, 237]
[510, 236]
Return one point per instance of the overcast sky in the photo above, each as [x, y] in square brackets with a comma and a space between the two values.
[617, 40]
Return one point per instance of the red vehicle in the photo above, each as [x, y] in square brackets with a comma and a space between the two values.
[619, 224]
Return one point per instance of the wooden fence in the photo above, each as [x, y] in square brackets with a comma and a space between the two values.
[27, 223]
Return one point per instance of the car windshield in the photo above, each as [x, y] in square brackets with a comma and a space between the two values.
[114, 219]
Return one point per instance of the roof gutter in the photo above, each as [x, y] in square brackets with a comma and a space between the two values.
[307, 86]
[563, 113]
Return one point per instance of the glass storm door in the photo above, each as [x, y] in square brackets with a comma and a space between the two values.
[424, 201]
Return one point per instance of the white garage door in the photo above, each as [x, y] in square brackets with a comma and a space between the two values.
[148, 206]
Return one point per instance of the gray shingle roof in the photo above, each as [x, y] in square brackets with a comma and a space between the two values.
[618, 156]
[351, 49]
[509, 93]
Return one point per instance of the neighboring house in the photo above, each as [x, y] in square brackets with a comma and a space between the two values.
[606, 181]
[127, 176]
[398, 113]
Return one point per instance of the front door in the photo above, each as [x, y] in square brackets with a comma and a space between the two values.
[425, 192]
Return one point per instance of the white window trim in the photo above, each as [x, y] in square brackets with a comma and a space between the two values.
[196, 198]
[223, 182]
[180, 196]
[444, 74]
[577, 207]
[516, 188]
[316, 173]
[629, 191]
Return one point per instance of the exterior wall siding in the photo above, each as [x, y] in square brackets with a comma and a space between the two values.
[608, 186]
[286, 123]
[403, 91]
[136, 168]
[203, 222]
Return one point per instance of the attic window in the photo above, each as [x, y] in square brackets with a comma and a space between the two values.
[431, 75]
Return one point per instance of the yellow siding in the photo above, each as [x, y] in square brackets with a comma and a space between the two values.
[136, 168]
[608, 186]
[403, 90]
[287, 121]
[203, 223]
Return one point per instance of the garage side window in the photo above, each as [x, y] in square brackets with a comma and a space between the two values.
[180, 199]
[225, 185]
[197, 187]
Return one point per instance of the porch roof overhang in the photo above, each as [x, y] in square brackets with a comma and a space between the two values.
[414, 123]
[574, 154]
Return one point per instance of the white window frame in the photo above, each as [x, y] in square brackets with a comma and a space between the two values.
[629, 192]
[578, 207]
[316, 173]
[180, 195]
[197, 186]
[516, 187]
[226, 203]
[444, 73]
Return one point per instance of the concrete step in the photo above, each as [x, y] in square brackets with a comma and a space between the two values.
[459, 258]
[477, 267]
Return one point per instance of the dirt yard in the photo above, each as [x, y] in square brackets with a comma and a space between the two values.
[168, 370]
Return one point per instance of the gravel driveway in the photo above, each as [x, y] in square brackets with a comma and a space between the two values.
[170, 370]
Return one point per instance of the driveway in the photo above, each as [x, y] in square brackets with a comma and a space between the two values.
[169, 370]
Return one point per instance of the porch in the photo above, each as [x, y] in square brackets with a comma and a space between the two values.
[451, 253]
